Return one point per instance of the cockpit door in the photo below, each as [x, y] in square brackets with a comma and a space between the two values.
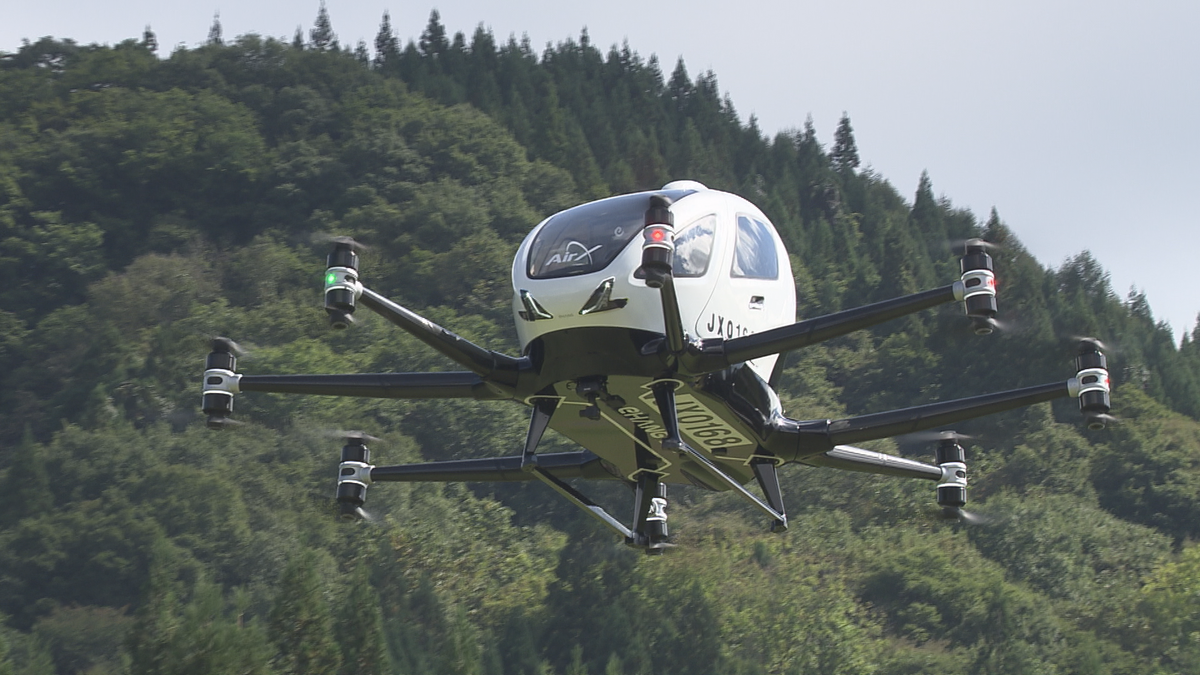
[754, 292]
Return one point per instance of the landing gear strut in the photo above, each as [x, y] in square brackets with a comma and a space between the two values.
[649, 514]
[649, 530]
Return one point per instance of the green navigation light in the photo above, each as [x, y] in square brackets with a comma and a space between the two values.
[330, 279]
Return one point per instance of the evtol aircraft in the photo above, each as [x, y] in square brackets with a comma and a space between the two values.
[651, 326]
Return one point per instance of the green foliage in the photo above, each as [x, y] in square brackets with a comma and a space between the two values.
[203, 634]
[85, 639]
[360, 631]
[1171, 628]
[91, 552]
[301, 623]
[25, 489]
[1150, 471]
[147, 204]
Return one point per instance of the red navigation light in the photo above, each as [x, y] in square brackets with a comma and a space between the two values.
[657, 234]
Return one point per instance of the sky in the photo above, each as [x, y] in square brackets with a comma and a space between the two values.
[1075, 119]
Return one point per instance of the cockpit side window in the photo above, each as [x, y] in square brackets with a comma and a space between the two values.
[693, 247]
[754, 256]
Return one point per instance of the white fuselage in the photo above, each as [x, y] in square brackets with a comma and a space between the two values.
[734, 296]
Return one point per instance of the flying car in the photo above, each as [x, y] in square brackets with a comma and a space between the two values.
[651, 326]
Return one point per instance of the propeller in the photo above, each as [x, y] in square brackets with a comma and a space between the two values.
[959, 246]
[223, 423]
[1009, 326]
[360, 514]
[351, 435]
[220, 343]
[965, 517]
[330, 505]
[975, 242]
[1102, 346]
[325, 238]
[1107, 419]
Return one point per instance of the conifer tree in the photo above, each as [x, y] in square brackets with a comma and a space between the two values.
[810, 130]
[492, 665]
[156, 618]
[214, 31]
[6, 666]
[994, 230]
[25, 491]
[679, 89]
[518, 646]
[577, 666]
[360, 629]
[149, 40]
[845, 152]
[433, 42]
[926, 219]
[322, 36]
[551, 142]
[298, 38]
[925, 208]
[482, 89]
[461, 650]
[301, 623]
[387, 45]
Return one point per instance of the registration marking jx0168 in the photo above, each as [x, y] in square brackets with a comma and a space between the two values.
[701, 424]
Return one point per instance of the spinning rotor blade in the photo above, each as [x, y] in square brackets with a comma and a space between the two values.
[220, 343]
[1095, 342]
[224, 423]
[359, 514]
[330, 505]
[353, 435]
[1009, 326]
[965, 517]
[326, 238]
[959, 246]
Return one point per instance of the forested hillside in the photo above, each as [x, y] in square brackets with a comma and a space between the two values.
[149, 202]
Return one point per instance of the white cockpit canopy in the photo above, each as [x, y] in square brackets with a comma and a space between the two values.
[589, 237]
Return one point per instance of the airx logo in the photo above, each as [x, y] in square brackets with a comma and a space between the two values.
[574, 252]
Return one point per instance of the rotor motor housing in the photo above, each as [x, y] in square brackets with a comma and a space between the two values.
[952, 489]
[658, 241]
[1094, 384]
[354, 474]
[979, 288]
[342, 286]
[220, 367]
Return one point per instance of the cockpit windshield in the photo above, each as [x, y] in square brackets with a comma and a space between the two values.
[587, 238]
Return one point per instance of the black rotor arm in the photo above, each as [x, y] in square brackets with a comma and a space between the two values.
[378, 385]
[486, 362]
[715, 354]
[820, 436]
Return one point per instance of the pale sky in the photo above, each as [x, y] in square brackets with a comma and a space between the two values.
[1076, 119]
